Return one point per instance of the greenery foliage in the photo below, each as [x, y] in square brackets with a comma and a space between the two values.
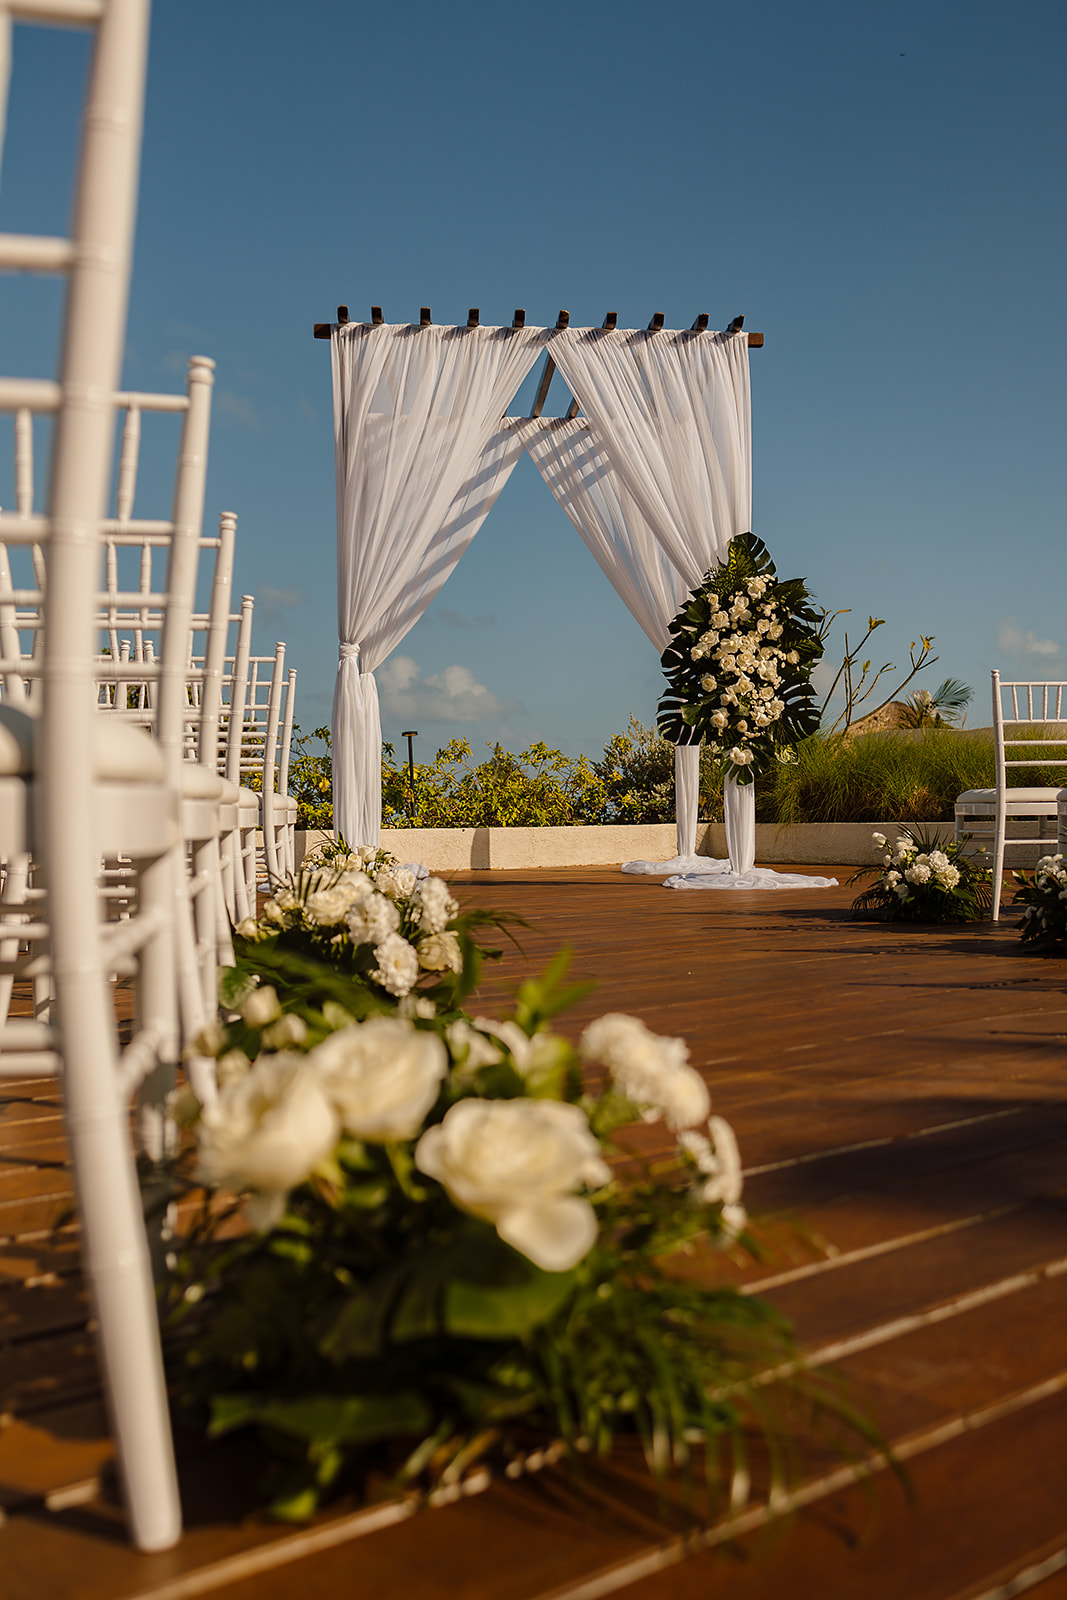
[1043, 896]
[739, 663]
[884, 777]
[925, 878]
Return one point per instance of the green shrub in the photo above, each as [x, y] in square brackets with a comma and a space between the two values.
[911, 777]
[540, 788]
[637, 770]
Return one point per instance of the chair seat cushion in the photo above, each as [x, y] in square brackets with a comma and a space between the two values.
[1016, 798]
[201, 783]
[121, 752]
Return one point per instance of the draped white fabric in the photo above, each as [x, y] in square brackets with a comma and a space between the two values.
[635, 564]
[421, 454]
[671, 413]
[666, 462]
[739, 812]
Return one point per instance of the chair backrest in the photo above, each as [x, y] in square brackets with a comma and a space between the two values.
[1029, 725]
[149, 570]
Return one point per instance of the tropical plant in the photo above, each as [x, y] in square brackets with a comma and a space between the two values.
[739, 664]
[925, 878]
[1043, 897]
[938, 708]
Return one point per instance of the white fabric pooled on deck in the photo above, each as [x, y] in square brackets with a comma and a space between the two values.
[757, 878]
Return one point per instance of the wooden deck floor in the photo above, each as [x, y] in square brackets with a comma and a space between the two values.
[901, 1092]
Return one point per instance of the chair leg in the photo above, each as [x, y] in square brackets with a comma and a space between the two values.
[15, 894]
[114, 1245]
[998, 866]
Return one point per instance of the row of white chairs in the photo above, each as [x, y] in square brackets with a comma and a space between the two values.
[130, 728]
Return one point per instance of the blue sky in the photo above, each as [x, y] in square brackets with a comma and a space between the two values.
[879, 188]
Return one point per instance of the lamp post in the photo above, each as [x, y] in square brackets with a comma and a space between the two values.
[413, 733]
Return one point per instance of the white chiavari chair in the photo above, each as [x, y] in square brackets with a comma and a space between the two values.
[1025, 711]
[68, 777]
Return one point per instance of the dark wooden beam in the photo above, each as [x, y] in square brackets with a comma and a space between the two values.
[342, 316]
[472, 317]
[611, 319]
[737, 324]
[572, 411]
[543, 387]
[424, 317]
[657, 322]
[321, 330]
[376, 316]
[700, 324]
[563, 320]
[755, 341]
[519, 319]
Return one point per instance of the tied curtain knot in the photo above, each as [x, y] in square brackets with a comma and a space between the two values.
[348, 652]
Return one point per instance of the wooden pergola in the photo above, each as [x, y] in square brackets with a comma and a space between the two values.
[323, 330]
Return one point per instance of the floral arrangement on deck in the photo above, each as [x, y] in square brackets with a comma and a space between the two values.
[1044, 899]
[739, 664]
[363, 913]
[925, 878]
[424, 1243]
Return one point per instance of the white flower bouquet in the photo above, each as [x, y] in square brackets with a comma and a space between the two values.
[925, 878]
[413, 1252]
[1043, 897]
[739, 663]
[362, 913]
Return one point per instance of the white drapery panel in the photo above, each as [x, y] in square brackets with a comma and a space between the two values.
[618, 537]
[421, 454]
[671, 412]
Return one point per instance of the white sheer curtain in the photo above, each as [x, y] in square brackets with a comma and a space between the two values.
[421, 453]
[636, 565]
[670, 413]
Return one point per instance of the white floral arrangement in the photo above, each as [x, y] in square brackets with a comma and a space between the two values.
[925, 879]
[363, 912]
[416, 1249]
[739, 664]
[1043, 897]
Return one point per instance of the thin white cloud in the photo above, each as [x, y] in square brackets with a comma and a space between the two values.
[1021, 642]
[449, 696]
[456, 619]
[239, 408]
[271, 602]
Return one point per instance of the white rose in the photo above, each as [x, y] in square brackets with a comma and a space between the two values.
[382, 1075]
[396, 882]
[440, 952]
[268, 1131]
[436, 906]
[517, 1163]
[649, 1070]
[708, 683]
[719, 719]
[327, 906]
[261, 1007]
[372, 920]
[398, 965]
[247, 928]
[880, 840]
